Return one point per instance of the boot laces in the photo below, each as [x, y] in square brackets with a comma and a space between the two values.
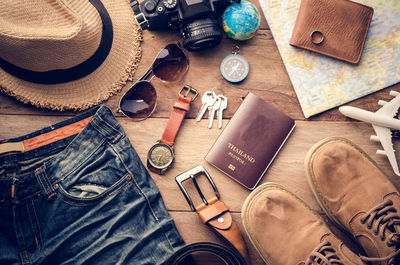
[384, 221]
[324, 254]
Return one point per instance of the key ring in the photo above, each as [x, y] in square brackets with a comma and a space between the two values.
[235, 49]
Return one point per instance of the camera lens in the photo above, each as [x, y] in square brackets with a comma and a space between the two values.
[201, 33]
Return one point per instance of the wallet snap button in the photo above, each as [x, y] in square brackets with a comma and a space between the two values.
[317, 37]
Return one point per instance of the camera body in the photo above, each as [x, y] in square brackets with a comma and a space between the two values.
[198, 20]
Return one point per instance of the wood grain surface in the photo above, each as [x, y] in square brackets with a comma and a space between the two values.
[267, 79]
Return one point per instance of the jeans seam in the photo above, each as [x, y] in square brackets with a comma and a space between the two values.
[31, 196]
[37, 221]
[144, 195]
[30, 220]
[48, 186]
[22, 235]
[27, 258]
[41, 183]
[108, 129]
[100, 128]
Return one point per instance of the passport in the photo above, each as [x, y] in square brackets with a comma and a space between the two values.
[250, 141]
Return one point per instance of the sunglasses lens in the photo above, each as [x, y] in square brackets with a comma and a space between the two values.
[139, 101]
[171, 63]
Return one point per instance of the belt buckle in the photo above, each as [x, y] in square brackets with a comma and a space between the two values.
[192, 174]
[188, 89]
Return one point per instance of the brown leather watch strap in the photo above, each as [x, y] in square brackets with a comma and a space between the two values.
[217, 216]
[181, 106]
[155, 170]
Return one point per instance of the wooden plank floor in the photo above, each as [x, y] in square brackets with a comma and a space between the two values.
[267, 79]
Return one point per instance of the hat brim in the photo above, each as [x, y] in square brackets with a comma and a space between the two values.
[107, 80]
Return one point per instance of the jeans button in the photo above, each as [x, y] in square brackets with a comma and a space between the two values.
[55, 186]
[128, 178]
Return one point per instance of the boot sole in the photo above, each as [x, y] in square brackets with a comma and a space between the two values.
[311, 178]
[248, 203]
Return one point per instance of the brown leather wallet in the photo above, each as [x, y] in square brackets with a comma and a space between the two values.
[214, 213]
[336, 28]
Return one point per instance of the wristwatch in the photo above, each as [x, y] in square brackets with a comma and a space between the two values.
[161, 155]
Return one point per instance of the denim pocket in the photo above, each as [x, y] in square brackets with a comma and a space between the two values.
[100, 176]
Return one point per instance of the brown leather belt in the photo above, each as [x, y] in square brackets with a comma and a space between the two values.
[214, 213]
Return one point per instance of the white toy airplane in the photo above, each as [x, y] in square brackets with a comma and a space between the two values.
[382, 121]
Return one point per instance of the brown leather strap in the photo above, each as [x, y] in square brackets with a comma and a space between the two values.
[181, 106]
[217, 216]
[153, 169]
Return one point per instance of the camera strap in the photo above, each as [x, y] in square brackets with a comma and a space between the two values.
[135, 6]
[139, 16]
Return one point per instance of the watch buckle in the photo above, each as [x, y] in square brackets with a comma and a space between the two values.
[192, 174]
[188, 90]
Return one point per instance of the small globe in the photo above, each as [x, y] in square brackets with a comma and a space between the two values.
[241, 20]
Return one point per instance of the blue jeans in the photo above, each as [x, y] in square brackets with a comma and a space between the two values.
[79, 194]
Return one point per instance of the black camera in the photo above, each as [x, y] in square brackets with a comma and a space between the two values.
[198, 20]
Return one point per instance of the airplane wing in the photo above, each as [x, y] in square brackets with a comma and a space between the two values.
[391, 107]
[385, 137]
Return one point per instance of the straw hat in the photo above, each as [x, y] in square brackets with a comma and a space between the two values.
[67, 54]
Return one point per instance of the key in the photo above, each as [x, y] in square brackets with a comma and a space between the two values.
[212, 112]
[222, 107]
[208, 99]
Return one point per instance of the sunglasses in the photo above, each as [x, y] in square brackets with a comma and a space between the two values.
[140, 101]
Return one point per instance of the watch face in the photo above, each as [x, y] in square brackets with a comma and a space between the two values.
[160, 156]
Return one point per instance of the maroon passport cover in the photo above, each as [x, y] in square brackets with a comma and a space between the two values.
[250, 141]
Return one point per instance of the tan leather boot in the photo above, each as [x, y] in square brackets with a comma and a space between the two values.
[357, 196]
[285, 231]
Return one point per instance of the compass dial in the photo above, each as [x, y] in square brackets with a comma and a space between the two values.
[234, 68]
